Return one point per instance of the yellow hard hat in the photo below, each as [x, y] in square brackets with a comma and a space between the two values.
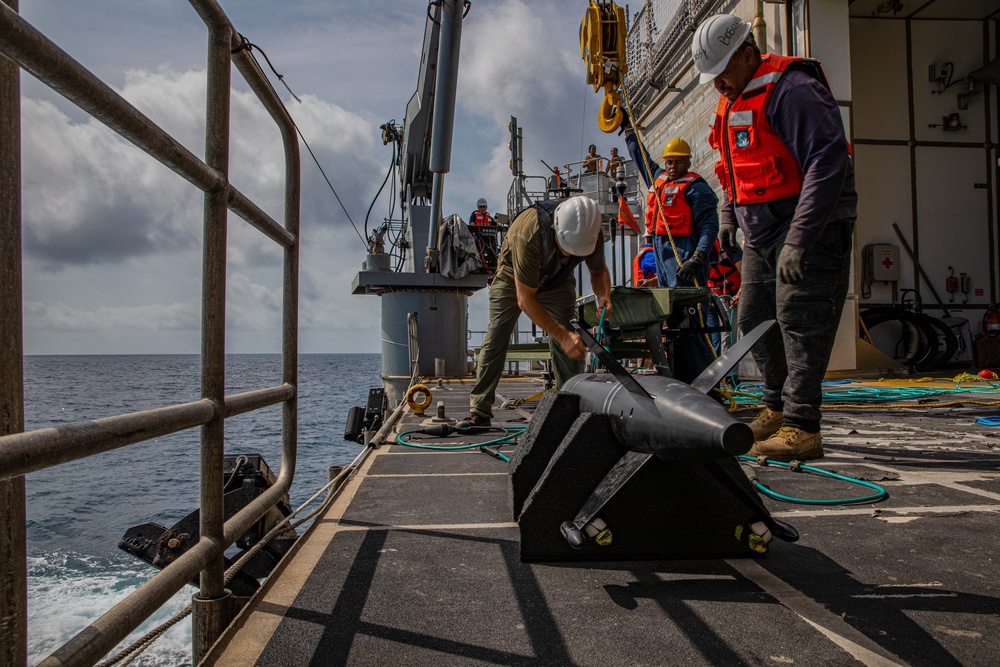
[676, 147]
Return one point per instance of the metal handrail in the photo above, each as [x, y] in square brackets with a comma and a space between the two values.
[24, 452]
[596, 185]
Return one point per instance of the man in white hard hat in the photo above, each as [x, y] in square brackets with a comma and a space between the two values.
[788, 182]
[482, 230]
[534, 275]
[480, 216]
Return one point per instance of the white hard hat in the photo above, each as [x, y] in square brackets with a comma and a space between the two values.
[577, 223]
[715, 41]
[481, 202]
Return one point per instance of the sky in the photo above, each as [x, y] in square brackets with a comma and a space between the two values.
[112, 244]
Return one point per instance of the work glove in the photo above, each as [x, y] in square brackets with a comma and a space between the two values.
[727, 237]
[626, 125]
[790, 263]
[690, 268]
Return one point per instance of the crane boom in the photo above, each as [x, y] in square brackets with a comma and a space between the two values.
[430, 117]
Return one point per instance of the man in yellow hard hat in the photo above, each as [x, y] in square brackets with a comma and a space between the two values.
[681, 206]
[682, 214]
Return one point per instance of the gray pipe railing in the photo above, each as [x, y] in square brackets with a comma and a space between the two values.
[35, 53]
[20, 453]
[13, 539]
[28, 452]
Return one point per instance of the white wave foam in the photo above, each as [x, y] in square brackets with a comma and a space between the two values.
[68, 591]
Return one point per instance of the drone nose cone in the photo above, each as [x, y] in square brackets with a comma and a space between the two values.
[737, 438]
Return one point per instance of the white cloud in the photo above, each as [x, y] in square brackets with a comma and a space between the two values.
[89, 197]
[181, 316]
[105, 225]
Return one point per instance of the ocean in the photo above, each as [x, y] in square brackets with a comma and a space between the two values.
[77, 512]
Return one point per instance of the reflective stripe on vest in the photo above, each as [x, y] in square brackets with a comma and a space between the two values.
[481, 218]
[673, 209]
[755, 165]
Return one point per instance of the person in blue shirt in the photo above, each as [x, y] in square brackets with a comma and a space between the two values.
[681, 201]
[682, 208]
[644, 264]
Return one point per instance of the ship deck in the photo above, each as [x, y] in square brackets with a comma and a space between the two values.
[417, 562]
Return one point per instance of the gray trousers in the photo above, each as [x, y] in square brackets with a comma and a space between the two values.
[558, 301]
[793, 357]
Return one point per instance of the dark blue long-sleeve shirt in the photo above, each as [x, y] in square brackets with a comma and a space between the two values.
[806, 118]
[699, 196]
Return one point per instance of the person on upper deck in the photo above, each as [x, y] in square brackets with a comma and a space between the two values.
[788, 182]
[535, 276]
[592, 163]
[558, 183]
[614, 162]
[480, 216]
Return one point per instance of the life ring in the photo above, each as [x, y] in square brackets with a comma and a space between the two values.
[418, 408]
[609, 116]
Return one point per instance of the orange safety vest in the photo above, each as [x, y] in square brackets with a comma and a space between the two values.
[723, 276]
[637, 273]
[673, 208]
[755, 165]
[481, 218]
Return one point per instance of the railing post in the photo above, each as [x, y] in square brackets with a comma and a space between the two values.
[212, 606]
[13, 556]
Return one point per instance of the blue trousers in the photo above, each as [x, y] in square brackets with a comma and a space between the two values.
[692, 353]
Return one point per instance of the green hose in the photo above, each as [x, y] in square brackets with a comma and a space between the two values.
[764, 489]
[846, 393]
[510, 437]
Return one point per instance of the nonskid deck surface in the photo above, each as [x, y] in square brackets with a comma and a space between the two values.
[418, 564]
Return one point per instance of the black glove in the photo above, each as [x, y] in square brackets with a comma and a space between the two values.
[790, 263]
[690, 268]
[727, 237]
[626, 124]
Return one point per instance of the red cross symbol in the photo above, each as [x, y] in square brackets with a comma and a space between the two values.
[887, 262]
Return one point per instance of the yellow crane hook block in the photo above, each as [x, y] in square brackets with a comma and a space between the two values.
[609, 115]
[602, 47]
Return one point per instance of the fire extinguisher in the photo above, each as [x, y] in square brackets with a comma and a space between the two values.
[991, 321]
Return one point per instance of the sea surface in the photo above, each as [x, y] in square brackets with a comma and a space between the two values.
[78, 511]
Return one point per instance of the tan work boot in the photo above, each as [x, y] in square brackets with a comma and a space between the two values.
[766, 423]
[789, 444]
